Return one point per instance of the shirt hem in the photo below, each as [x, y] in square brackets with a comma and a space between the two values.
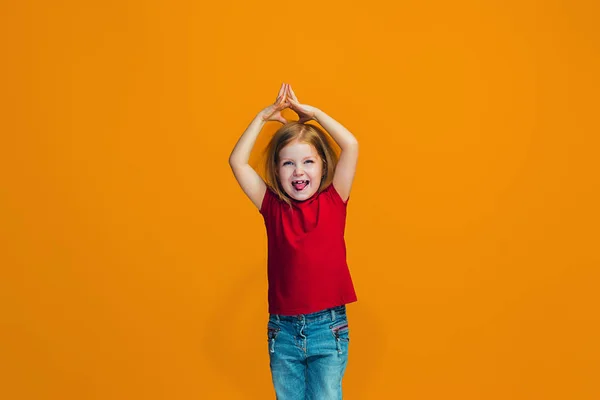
[311, 310]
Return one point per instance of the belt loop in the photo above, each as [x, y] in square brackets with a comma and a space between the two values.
[332, 314]
[277, 316]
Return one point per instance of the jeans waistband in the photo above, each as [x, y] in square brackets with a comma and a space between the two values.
[328, 313]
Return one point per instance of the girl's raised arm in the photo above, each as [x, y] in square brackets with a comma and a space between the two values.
[346, 167]
[251, 183]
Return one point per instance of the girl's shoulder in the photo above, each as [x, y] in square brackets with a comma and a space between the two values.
[335, 196]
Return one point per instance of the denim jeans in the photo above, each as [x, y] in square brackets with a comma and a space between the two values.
[308, 354]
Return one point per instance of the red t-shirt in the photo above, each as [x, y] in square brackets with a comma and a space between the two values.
[307, 269]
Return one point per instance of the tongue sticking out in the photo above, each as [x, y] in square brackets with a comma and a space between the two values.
[300, 186]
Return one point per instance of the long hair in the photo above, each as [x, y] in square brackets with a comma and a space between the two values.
[303, 133]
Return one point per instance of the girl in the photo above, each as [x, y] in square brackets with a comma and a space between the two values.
[303, 203]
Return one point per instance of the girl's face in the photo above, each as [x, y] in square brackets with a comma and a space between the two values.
[300, 170]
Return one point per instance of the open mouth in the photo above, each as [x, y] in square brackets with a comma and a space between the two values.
[299, 185]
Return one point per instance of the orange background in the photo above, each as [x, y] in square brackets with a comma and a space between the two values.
[133, 266]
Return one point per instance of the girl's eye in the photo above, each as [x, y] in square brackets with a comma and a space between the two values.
[289, 162]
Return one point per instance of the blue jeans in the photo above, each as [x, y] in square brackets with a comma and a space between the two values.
[308, 354]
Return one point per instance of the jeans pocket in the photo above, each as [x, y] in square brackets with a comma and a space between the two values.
[341, 332]
[272, 331]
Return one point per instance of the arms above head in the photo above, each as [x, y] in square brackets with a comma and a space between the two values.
[249, 180]
[346, 167]
[253, 185]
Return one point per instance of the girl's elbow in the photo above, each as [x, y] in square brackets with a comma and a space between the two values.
[352, 144]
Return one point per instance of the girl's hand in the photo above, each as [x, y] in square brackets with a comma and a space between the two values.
[304, 111]
[273, 112]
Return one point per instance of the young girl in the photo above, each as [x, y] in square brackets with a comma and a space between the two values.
[303, 203]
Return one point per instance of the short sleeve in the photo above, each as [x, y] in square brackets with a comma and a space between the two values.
[267, 202]
[336, 196]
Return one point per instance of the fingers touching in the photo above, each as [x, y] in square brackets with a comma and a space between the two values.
[286, 98]
[282, 91]
[291, 93]
[286, 93]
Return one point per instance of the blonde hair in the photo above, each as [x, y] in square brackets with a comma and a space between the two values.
[303, 133]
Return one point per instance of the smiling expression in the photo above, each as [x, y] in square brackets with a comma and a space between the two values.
[300, 170]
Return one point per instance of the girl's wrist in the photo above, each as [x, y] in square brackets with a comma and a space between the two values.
[260, 118]
[318, 113]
